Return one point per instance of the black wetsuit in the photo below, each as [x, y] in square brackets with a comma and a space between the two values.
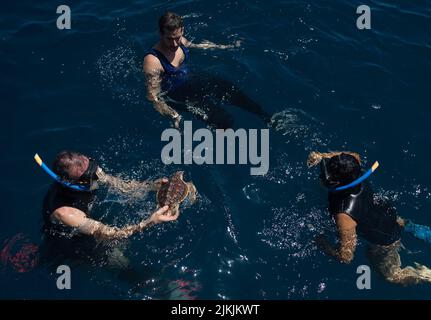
[206, 92]
[62, 240]
[376, 222]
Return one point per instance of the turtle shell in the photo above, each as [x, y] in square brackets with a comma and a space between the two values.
[173, 192]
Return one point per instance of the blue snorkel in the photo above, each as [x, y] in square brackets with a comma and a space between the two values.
[360, 179]
[57, 178]
[332, 185]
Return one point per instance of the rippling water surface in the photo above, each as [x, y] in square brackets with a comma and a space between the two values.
[328, 86]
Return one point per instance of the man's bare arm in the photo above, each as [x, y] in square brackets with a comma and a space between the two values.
[153, 69]
[129, 186]
[76, 218]
[347, 239]
[209, 45]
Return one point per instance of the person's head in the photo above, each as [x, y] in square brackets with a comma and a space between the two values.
[171, 30]
[340, 170]
[75, 167]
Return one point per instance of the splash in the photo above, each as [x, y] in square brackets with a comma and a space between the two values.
[120, 73]
[299, 127]
[291, 230]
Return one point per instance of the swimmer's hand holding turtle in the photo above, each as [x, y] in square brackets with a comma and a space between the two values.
[163, 214]
[173, 192]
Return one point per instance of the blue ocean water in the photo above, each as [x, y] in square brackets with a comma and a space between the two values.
[329, 86]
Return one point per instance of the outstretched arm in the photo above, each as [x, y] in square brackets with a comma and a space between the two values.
[347, 239]
[76, 218]
[209, 45]
[130, 186]
[153, 69]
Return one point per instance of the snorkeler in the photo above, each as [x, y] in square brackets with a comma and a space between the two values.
[169, 79]
[67, 205]
[352, 205]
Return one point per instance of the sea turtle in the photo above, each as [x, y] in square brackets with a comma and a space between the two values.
[175, 191]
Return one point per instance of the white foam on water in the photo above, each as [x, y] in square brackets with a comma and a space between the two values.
[290, 229]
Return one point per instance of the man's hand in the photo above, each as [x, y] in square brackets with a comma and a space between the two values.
[157, 184]
[162, 215]
[177, 119]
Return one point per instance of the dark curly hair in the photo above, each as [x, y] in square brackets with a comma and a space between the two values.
[343, 168]
[170, 22]
[65, 161]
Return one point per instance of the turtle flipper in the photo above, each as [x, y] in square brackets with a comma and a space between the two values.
[175, 210]
[192, 192]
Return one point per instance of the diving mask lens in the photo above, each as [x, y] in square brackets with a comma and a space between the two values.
[325, 177]
[90, 174]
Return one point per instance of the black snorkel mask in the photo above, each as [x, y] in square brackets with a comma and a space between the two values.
[325, 176]
[87, 181]
[89, 178]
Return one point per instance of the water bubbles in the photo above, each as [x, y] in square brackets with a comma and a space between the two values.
[300, 197]
[288, 229]
[243, 258]
[222, 296]
[282, 55]
[252, 193]
[121, 74]
[321, 287]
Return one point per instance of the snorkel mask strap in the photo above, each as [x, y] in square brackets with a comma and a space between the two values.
[325, 176]
[57, 178]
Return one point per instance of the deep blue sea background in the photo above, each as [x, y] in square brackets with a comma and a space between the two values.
[329, 85]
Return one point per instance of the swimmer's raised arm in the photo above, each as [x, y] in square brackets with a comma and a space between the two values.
[76, 218]
[209, 45]
[347, 239]
[152, 70]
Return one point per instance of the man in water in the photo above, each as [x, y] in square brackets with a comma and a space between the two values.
[355, 211]
[67, 210]
[167, 74]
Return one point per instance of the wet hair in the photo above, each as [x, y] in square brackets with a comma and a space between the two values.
[343, 168]
[65, 161]
[170, 22]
